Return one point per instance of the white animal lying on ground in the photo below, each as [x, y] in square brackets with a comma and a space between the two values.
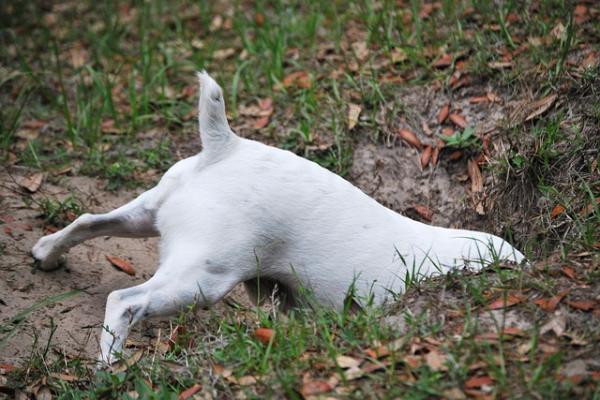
[241, 211]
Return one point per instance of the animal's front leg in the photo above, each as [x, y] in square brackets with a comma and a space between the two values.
[134, 219]
[170, 290]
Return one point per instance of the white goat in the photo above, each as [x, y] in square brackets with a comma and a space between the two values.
[241, 211]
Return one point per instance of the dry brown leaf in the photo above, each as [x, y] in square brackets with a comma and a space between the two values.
[435, 156]
[314, 387]
[455, 155]
[584, 305]
[436, 361]
[347, 362]
[413, 362]
[443, 114]
[443, 62]
[540, 106]
[34, 124]
[478, 381]
[7, 368]
[500, 64]
[121, 264]
[551, 303]
[353, 114]
[590, 61]
[33, 182]
[426, 156]
[64, 377]
[424, 212]
[261, 122]
[569, 272]
[264, 335]
[458, 120]
[426, 129]
[557, 324]
[247, 380]
[124, 365]
[223, 54]
[475, 176]
[361, 51]
[479, 99]
[353, 373]
[508, 301]
[298, 78]
[409, 137]
[187, 393]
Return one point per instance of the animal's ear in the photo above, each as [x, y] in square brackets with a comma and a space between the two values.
[211, 112]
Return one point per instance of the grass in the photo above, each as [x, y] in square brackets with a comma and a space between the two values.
[112, 95]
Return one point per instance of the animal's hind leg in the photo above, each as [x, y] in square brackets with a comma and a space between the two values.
[171, 289]
[134, 219]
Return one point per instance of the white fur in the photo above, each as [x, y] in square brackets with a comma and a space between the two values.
[241, 209]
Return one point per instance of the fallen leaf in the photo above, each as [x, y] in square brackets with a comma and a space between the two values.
[121, 264]
[540, 106]
[426, 156]
[347, 362]
[558, 32]
[500, 64]
[353, 114]
[124, 365]
[584, 305]
[436, 361]
[413, 362]
[447, 131]
[353, 373]
[569, 272]
[443, 62]
[443, 114]
[409, 137]
[557, 324]
[435, 155]
[33, 182]
[475, 176]
[454, 394]
[479, 99]
[458, 120]
[261, 122]
[478, 381]
[264, 335]
[556, 211]
[223, 54]
[423, 212]
[64, 377]
[246, 380]
[311, 388]
[187, 393]
[551, 303]
[298, 78]
[361, 51]
[590, 61]
[455, 155]
[34, 124]
[508, 301]
[7, 368]
[426, 129]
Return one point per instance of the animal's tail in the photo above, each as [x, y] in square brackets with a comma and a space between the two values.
[214, 129]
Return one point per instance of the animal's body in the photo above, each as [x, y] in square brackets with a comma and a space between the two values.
[242, 211]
